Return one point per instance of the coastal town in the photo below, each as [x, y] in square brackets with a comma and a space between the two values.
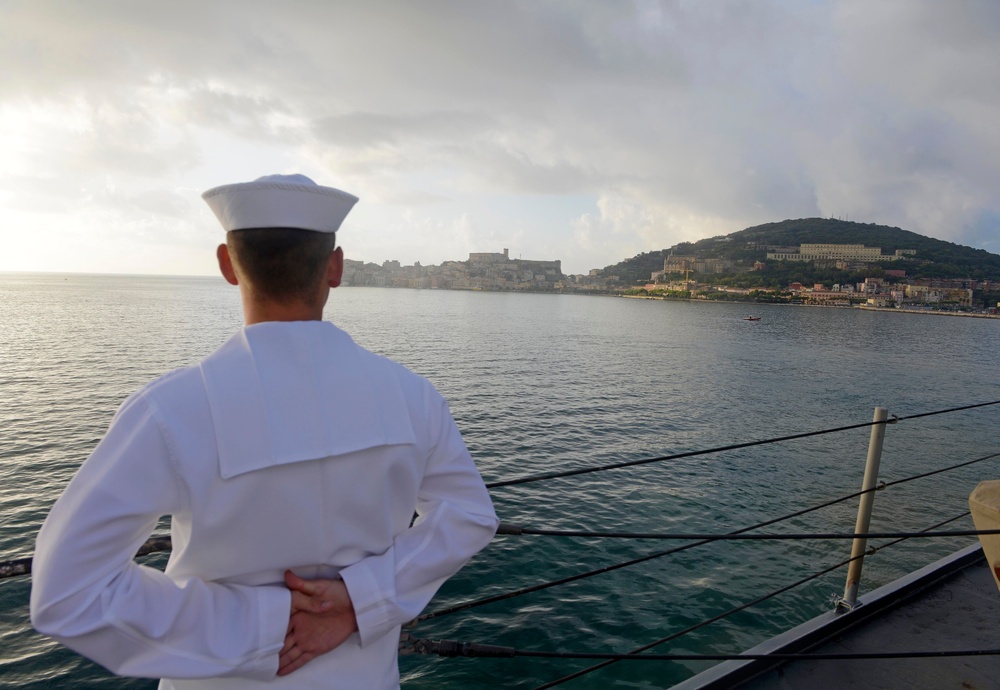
[482, 271]
[891, 288]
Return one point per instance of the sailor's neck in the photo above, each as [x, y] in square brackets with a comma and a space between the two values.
[260, 313]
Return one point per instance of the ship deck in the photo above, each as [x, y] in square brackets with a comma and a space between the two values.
[953, 604]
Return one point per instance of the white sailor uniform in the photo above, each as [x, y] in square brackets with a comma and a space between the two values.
[289, 447]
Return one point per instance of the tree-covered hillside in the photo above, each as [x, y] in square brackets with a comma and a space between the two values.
[934, 258]
[637, 269]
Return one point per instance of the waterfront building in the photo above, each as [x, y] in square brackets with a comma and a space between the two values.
[925, 294]
[679, 263]
[711, 265]
[476, 258]
[835, 296]
[482, 271]
[838, 252]
[870, 286]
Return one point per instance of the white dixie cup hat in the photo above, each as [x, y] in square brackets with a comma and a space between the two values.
[279, 201]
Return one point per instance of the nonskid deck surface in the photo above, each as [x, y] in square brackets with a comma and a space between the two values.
[960, 612]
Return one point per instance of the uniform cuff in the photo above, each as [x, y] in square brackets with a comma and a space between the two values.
[274, 606]
[370, 600]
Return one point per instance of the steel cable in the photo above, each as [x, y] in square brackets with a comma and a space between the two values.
[607, 569]
[22, 566]
[701, 541]
[644, 461]
[451, 648]
[871, 551]
[751, 537]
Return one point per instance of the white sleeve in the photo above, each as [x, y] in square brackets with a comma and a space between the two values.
[455, 520]
[89, 594]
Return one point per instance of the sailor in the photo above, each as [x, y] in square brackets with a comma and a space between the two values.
[290, 448]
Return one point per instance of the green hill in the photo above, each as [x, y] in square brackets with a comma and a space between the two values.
[933, 259]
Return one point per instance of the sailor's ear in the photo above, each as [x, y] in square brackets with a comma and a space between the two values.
[226, 265]
[335, 267]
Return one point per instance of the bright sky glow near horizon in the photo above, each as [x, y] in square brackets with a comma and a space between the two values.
[584, 130]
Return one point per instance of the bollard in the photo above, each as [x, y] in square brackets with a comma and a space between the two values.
[864, 510]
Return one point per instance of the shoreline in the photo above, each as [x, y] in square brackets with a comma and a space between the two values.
[583, 293]
[894, 310]
[932, 312]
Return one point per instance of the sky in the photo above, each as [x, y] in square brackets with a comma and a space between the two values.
[581, 130]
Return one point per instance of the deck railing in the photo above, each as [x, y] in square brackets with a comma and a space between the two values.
[859, 538]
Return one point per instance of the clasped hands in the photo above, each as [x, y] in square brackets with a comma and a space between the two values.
[322, 618]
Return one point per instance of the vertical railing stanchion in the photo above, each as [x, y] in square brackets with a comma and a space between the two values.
[864, 510]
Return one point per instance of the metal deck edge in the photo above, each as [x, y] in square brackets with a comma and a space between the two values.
[812, 633]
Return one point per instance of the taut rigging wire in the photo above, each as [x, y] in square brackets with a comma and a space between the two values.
[938, 471]
[22, 566]
[606, 569]
[747, 444]
[870, 551]
[666, 536]
[450, 648]
[951, 409]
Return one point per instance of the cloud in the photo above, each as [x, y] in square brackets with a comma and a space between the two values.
[656, 121]
[374, 129]
[620, 221]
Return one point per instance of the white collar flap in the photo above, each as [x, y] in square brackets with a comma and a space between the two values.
[289, 392]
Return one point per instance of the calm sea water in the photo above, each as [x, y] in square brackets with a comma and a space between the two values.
[538, 382]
